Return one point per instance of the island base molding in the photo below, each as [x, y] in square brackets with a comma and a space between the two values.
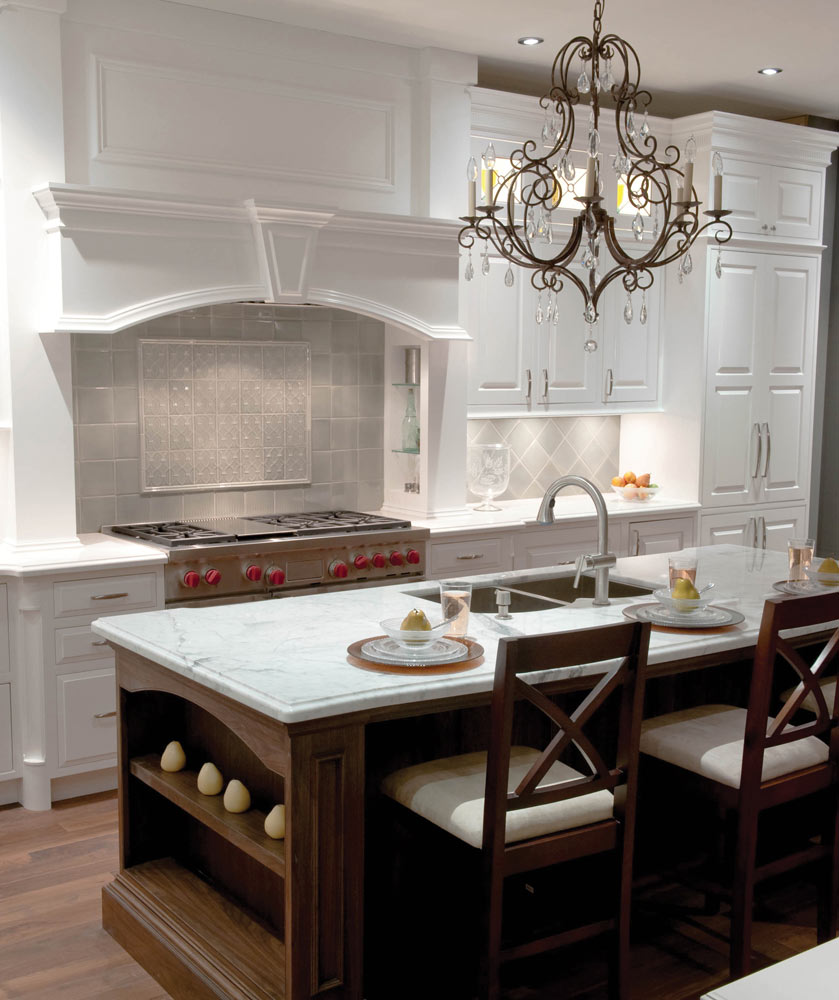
[204, 900]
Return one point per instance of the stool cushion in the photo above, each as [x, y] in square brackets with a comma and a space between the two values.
[450, 793]
[708, 740]
[828, 686]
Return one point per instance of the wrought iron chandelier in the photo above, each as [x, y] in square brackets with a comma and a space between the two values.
[517, 215]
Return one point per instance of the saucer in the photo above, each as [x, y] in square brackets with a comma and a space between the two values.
[387, 650]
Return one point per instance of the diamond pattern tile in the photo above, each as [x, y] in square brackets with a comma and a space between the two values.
[543, 449]
[224, 413]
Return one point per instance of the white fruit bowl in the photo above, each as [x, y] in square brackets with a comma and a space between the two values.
[681, 605]
[822, 579]
[413, 639]
[636, 493]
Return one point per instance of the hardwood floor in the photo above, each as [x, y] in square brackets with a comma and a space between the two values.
[52, 946]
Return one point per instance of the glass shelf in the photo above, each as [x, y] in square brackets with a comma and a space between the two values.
[406, 385]
[405, 451]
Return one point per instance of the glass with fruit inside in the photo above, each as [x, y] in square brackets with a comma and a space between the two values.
[682, 566]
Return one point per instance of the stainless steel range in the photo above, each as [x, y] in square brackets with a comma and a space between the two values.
[220, 560]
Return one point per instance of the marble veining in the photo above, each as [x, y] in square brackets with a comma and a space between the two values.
[287, 658]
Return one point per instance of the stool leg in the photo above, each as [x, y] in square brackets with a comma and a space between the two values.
[743, 893]
[829, 886]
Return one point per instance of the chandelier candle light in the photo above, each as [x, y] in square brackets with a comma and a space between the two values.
[516, 217]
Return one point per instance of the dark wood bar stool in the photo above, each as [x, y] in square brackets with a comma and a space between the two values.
[525, 809]
[745, 761]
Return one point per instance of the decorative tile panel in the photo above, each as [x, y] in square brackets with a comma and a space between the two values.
[223, 414]
[544, 448]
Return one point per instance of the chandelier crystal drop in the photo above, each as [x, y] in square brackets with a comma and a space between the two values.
[518, 212]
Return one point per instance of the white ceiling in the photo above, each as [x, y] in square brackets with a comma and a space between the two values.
[696, 55]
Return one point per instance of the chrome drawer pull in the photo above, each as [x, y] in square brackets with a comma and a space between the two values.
[99, 642]
[471, 555]
[759, 451]
[109, 597]
[529, 393]
[105, 715]
[768, 450]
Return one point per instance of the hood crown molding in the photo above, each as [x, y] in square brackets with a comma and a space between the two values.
[126, 257]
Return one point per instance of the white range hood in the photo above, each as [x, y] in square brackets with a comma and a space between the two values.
[125, 257]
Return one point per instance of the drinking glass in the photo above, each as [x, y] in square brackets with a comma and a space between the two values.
[489, 472]
[682, 565]
[455, 599]
[800, 557]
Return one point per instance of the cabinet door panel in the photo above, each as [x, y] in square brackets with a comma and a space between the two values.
[573, 375]
[632, 348]
[794, 207]
[743, 184]
[553, 545]
[665, 535]
[500, 321]
[728, 529]
[4, 631]
[778, 526]
[87, 727]
[786, 467]
[731, 442]
[789, 319]
[734, 316]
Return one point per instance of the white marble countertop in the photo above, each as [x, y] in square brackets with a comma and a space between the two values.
[522, 513]
[93, 551]
[287, 657]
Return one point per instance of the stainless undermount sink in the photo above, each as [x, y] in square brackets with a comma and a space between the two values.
[539, 595]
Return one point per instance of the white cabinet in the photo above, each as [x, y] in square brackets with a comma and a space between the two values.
[759, 528]
[7, 745]
[5, 656]
[761, 342]
[469, 554]
[549, 546]
[779, 202]
[662, 535]
[87, 724]
[517, 365]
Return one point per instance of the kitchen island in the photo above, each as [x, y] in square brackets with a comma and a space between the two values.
[266, 691]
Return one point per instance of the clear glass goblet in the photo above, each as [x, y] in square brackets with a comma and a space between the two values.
[489, 472]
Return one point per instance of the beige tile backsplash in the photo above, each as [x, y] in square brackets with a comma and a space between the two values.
[347, 404]
[544, 448]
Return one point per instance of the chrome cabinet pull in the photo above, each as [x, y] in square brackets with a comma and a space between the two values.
[108, 597]
[768, 450]
[637, 542]
[610, 381]
[529, 375]
[764, 228]
[99, 642]
[753, 524]
[545, 376]
[771, 229]
[763, 532]
[759, 451]
[105, 715]
[471, 555]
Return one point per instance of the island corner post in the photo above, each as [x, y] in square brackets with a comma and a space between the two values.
[187, 866]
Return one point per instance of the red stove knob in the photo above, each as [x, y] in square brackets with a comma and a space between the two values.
[338, 569]
[413, 556]
[275, 576]
[213, 577]
[361, 562]
[191, 579]
[396, 559]
[379, 560]
[253, 573]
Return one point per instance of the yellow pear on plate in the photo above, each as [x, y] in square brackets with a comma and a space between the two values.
[682, 592]
[237, 799]
[210, 780]
[829, 567]
[275, 823]
[173, 757]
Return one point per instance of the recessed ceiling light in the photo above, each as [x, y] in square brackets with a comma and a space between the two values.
[770, 70]
[531, 40]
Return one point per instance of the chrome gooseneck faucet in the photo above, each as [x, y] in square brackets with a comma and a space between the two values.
[603, 559]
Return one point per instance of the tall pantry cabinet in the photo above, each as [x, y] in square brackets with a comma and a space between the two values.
[739, 342]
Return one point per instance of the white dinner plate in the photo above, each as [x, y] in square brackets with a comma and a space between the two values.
[709, 617]
[387, 650]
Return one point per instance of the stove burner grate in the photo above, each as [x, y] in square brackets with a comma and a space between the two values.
[172, 533]
[326, 522]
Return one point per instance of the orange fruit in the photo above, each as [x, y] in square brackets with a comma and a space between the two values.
[618, 481]
[644, 493]
[630, 492]
[629, 477]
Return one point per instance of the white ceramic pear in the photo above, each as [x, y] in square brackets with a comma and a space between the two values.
[237, 799]
[173, 757]
[275, 823]
[210, 780]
